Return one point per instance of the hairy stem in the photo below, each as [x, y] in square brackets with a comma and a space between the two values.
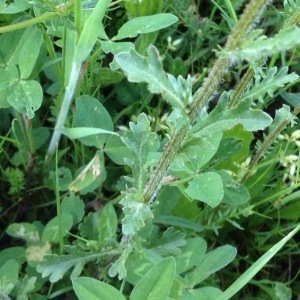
[248, 19]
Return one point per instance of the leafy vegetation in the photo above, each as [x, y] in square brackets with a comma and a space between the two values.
[149, 149]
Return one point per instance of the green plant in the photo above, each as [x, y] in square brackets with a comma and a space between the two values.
[153, 209]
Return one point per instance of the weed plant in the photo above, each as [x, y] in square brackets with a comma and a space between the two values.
[149, 149]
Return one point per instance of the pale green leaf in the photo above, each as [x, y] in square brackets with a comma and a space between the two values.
[116, 150]
[87, 288]
[56, 266]
[192, 254]
[25, 231]
[204, 293]
[268, 83]
[206, 187]
[145, 24]
[257, 49]
[222, 118]
[150, 70]
[140, 142]
[136, 213]
[157, 282]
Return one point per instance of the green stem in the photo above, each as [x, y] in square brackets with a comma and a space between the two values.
[28, 23]
[267, 142]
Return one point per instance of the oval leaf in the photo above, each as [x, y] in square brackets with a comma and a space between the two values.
[146, 24]
[156, 284]
[206, 187]
[91, 289]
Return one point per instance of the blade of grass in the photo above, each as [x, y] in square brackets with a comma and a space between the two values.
[256, 267]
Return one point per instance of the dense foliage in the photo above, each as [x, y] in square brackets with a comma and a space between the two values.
[149, 149]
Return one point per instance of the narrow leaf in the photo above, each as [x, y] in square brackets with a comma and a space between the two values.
[93, 28]
[256, 267]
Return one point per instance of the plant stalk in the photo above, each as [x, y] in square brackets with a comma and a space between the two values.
[247, 21]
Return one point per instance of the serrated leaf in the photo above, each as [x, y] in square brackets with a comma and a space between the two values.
[140, 141]
[87, 288]
[56, 266]
[136, 213]
[156, 284]
[212, 262]
[25, 96]
[150, 70]
[222, 118]
[206, 187]
[269, 82]
[146, 24]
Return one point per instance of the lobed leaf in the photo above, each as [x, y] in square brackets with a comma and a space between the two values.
[256, 50]
[56, 266]
[269, 83]
[222, 118]
[150, 70]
